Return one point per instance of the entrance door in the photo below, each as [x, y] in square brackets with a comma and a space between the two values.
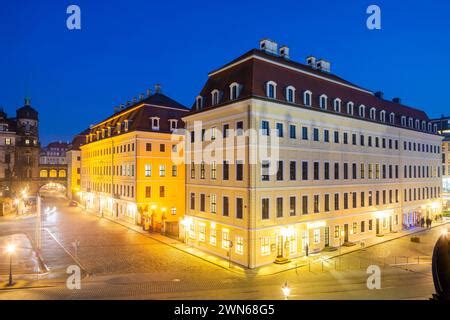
[378, 226]
[345, 233]
[327, 236]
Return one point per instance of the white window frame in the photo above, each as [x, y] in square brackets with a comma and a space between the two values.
[350, 108]
[383, 116]
[392, 118]
[309, 94]
[290, 88]
[199, 102]
[274, 84]
[215, 97]
[321, 104]
[153, 119]
[238, 87]
[337, 105]
[362, 111]
[373, 113]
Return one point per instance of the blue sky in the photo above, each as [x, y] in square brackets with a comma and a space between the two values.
[75, 78]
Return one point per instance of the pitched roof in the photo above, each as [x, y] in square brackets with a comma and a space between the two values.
[138, 115]
[255, 68]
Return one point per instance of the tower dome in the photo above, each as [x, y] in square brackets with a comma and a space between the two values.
[27, 112]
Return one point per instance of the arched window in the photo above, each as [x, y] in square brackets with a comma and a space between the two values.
[373, 113]
[362, 111]
[215, 97]
[424, 126]
[290, 94]
[307, 98]
[271, 90]
[337, 105]
[53, 173]
[403, 121]
[410, 122]
[350, 106]
[323, 101]
[417, 124]
[383, 116]
[43, 173]
[62, 173]
[392, 118]
[429, 127]
[199, 102]
[234, 90]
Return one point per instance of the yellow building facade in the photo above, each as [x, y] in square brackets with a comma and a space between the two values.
[129, 169]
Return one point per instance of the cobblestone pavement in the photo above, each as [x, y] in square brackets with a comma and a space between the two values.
[120, 263]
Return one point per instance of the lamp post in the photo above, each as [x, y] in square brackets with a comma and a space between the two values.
[286, 290]
[10, 248]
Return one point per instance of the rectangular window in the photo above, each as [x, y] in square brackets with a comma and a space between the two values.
[336, 201]
[265, 246]
[316, 134]
[148, 147]
[213, 236]
[265, 170]
[174, 170]
[292, 205]
[226, 170]
[265, 209]
[304, 170]
[201, 232]
[239, 170]
[225, 239]
[162, 192]
[304, 204]
[326, 171]
[292, 131]
[148, 170]
[239, 208]
[226, 128]
[162, 147]
[280, 171]
[336, 137]
[265, 128]
[213, 203]
[327, 202]
[148, 192]
[316, 170]
[316, 236]
[239, 128]
[304, 133]
[162, 170]
[316, 203]
[192, 201]
[239, 245]
[336, 171]
[292, 170]
[345, 200]
[345, 171]
[192, 170]
[326, 135]
[225, 207]
[213, 170]
[202, 202]
[279, 207]
[280, 132]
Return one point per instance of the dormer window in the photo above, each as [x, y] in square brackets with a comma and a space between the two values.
[173, 124]
[435, 128]
[97, 134]
[392, 118]
[290, 94]
[271, 88]
[417, 124]
[118, 126]
[337, 105]
[199, 102]
[307, 98]
[155, 123]
[109, 131]
[125, 122]
[323, 101]
[403, 121]
[429, 127]
[410, 122]
[362, 111]
[234, 91]
[373, 113]
[103, 133]
[424, 126]
[350, 106]
[383, 116]
[215, 97]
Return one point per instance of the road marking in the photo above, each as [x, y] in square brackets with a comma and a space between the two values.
[67, 251]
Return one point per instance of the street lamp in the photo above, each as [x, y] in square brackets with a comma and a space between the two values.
[10, 248]
[286, 290]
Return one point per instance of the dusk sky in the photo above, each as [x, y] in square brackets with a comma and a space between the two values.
[75, 78]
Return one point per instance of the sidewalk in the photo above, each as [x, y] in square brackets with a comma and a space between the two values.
[271, 268]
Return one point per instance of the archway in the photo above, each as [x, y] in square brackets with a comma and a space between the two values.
[53, 189]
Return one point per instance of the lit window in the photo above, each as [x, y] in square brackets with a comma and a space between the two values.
[265, 246]
[27, 141]
[213, 203]
[213, 236]
[271, 90]
[316, 236]
[162, 170]
[213, 170]
[173, 211]
[239, 245]
[201, 232]
[8, 141]
[225, 239]
[148, 170]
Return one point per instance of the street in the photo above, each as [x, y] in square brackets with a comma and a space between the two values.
[119, 263]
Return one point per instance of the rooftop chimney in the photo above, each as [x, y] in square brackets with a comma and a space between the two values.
[27, 101]
[284, 52]
[149, 92]
[323, 65]
[311, 61]
[269, 46]
[397, 100]
[379, 94]
[141, 96]
[134, 99]
[157, 88]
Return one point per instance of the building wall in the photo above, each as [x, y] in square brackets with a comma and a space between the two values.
[262, 238]
[114, 180]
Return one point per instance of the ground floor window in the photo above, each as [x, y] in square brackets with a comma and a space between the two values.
[201, 232]
[265, 246]
[305, 240]
[239, 245]
[316, 236]
[293, 243]
[336, 232]
[192, 231]
[173, 211]
[355, 227]
[225, 239]
[213, 236]
[370, 225]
